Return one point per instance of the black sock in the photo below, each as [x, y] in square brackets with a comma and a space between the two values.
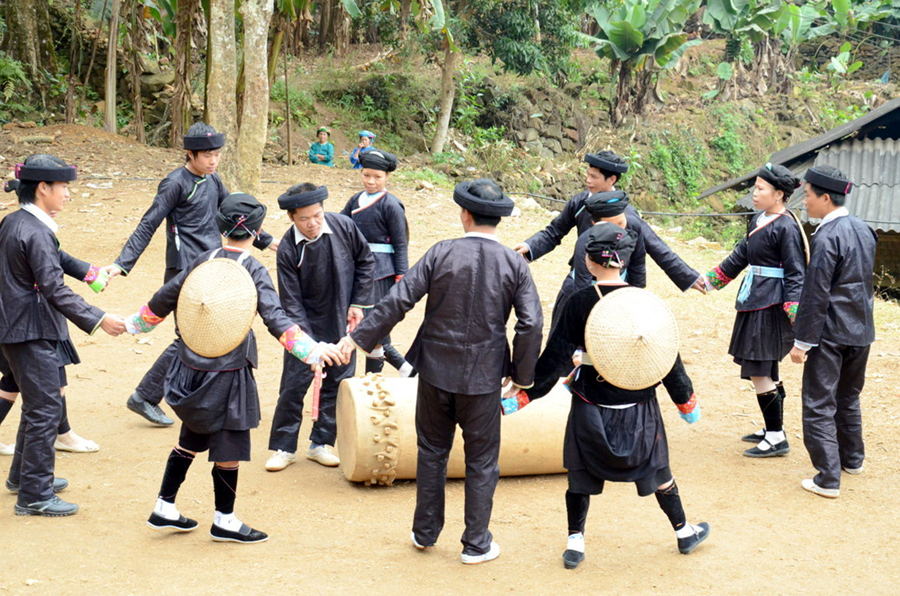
[374, 365]
[5, 407]
[577, 510]
[64, 426]
[176, 470]
[779, 387]
[393, 357]
[770, 403]
[225, 487]
[670, 502]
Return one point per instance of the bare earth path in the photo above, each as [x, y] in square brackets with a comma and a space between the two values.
[331, 537]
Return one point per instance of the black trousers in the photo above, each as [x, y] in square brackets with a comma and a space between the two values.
[833, 378]
[296, 378]
[35, 366]
[437, 414]
[152, 385]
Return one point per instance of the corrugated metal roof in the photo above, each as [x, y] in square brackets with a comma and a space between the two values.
[871, 123]
[874, 167]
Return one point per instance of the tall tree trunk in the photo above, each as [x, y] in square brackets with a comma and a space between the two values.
[181, 99]
[109, 124]
[334, 27]
[404, 19]
[634, 90]
[136, 70]
[448, 92]
[87, 73]
[72, 79]
[30, 40]
[221, 86]
[287, 106]
[255, 112]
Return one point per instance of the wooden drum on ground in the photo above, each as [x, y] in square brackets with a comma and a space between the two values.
[376, 433]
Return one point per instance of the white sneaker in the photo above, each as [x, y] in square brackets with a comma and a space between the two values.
[853, 471]
[323, 454]
[492, 554]
[829, 493]
[412, 536]
[280, 460]
[7, 449]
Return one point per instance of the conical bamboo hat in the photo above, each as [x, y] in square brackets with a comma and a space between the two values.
[216, 307]
[632, 338]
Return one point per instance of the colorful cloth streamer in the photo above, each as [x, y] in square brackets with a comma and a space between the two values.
[717, 278]
[96, 279]
[143, 321]
[301, 345]
[690, 411]
[511, 405]
[791, 309]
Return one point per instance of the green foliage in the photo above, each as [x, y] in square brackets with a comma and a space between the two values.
[643, 33]
[840, 66]
[742, 22]
[846, 16]
[302, 106]
[388, 101]
[729, 145]
[680, 159]
[525, 35]
[439, 179]
[13, 80]
[835, 115]
[725, 71]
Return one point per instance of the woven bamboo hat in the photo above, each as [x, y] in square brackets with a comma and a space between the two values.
[216, 307]
[632, 338]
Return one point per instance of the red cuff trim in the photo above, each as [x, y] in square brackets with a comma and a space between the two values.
[689, 406]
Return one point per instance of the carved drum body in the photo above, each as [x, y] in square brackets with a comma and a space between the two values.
[376, 420]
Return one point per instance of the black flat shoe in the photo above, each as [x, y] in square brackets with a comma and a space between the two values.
[687, 545]
[52, 507]
[754, 437]
[182, 524]
[246, 535]
[59, 485]
[152, 412]
[776, 450]
[572, 558]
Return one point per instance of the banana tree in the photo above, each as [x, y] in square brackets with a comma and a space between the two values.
[641, 38]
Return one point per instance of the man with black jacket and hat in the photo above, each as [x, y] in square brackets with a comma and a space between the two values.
[187, 199]
[833, 331]
[462, 356]
[605, 169]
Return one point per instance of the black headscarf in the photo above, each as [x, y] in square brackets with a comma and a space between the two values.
[376, 159]
[607, 161]
[302, 199]
[608, 243]
[606, 204]
[780, 177]
[483, 197]
[240, 213]
[825, 178]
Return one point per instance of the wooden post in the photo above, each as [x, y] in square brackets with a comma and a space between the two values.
[287, 104]
[110, 122]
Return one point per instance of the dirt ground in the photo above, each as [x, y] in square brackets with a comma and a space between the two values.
[331, 537]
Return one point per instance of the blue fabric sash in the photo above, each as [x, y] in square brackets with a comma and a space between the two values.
[753, 271]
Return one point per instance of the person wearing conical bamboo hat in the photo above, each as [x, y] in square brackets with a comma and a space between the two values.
[210, 385]
[613, 434]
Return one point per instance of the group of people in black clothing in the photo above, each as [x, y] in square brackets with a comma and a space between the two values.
[344, 282]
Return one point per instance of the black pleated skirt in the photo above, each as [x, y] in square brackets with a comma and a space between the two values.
[760, 339]
[616, 445]
[210, 401]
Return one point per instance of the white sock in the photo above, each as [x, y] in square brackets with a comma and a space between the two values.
[687, 530]
[576, 542]
[406, 369]
[774, 437]
[227, 521]
[166, 509]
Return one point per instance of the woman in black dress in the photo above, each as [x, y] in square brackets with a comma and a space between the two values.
[612, 434]
[774, 254]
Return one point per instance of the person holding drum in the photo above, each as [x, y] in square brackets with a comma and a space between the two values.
[215, 394]
[613, 434]
[461, 354]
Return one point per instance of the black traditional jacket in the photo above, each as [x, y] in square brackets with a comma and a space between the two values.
[189, 204]
[568, 336]
[319, 281]
[34, 301]
[779, 245]
[268, 306]
[473, 284]
[635, 273]
[383, 223]
[838, 295]
[575, 215]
